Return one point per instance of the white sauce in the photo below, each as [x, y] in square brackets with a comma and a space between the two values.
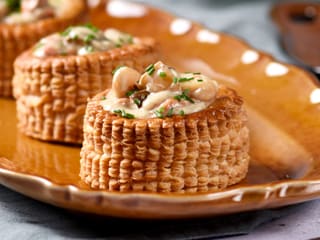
[150, 105]
[155, 98]
[81, 40]
[176, 94]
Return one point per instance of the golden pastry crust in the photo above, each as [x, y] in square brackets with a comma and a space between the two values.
[16, 38]
[202, 151]
[52, 92]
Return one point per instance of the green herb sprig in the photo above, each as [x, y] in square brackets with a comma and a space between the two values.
[91, 27]
[66, 32]
[123, 113]
[180, 80]
[162, 74]
[89, 38]
[131, 92]
[170, 112]
[159, 112]
[150, 69]
[89, 48]
[184, 96]
[137, 101]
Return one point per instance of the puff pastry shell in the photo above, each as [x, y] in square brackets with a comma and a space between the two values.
[16, 38]
[52, 93]
[202, 151]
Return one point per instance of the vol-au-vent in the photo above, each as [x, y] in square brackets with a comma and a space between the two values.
[164, 131]
[54, 78]
[23, 23]
[25, 11]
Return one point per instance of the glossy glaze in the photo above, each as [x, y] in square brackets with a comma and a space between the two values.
[285, 130]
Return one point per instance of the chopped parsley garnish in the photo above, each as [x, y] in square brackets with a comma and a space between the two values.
[123, 113]
[200, 80]
[194, 73]
[38, 45]
[91, 27]
[116, 69]
[129, 93]
[181, 112]
[103, 98]
[127, 39]
[89, 48]
[66, 32]
[137, 101]
[130, 39]
[118, 45]
[184, 96]
[162, 74]
[89, 38]
[179, 80]
[170, 112]
[150, 69]
[159, 112]
[75, 37]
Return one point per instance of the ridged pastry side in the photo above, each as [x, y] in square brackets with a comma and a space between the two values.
[203, 151]
[52, 93]
[14, 39]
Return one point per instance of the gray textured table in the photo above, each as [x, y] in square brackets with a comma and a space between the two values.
[23, 218]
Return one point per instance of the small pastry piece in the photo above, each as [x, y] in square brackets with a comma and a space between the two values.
[164, 131]
[54, 79]
[23, 23]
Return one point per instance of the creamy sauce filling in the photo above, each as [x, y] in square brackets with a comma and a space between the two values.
[159, 92]
[81, 40]
[25, 11]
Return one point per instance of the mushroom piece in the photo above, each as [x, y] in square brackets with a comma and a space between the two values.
[124, 80]
[200, 87]
[160, 78]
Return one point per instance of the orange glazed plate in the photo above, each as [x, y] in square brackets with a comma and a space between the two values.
[283, 103]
